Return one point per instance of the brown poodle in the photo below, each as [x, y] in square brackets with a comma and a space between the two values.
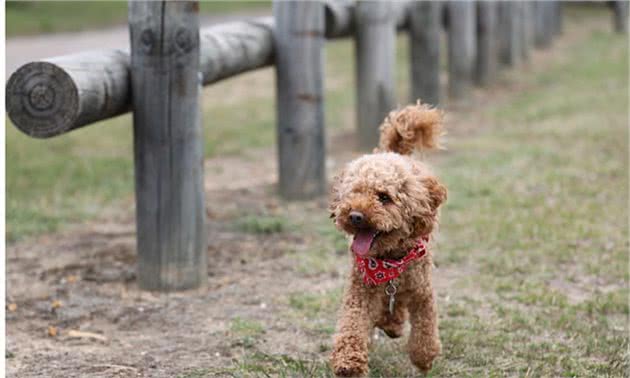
[389, 203]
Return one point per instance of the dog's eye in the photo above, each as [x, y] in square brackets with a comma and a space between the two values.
[384, 198]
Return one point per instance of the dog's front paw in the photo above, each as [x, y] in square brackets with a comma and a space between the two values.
[349, 371]
[349, 357]
[348, 365]
[423, 355]
[424, 367]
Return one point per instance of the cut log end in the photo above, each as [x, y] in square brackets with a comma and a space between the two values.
[42, 100]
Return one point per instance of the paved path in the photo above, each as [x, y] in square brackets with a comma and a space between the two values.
[21, 50]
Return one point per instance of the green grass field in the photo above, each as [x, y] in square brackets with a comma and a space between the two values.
[36, 17]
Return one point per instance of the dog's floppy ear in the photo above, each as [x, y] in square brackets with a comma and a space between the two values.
[426, 194]
[437, 192]
[335, 196]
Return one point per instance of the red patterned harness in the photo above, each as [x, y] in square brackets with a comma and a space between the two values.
[377, 271]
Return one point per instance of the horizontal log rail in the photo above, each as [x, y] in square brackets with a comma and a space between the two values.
[56, 95]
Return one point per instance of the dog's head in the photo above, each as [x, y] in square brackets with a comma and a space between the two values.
[387, 200]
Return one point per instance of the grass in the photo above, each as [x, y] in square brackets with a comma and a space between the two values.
[269, 365]
[245, 333]
[263, 224]
[56, 182]
[36, 17]
[314, 306]
[534, 237]
[539, 209]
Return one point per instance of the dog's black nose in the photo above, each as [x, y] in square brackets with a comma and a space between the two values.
[356, 218]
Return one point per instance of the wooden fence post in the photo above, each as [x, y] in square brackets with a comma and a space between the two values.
[510, 42]
[557, 17]
[462, 25]
[543, 28]
[425, 24]
[487, 42]
[299, 41]
[168, 146]
[620, 16]
[376, 59]
[527, 29]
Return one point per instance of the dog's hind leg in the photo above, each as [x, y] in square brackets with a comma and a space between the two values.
[424, 342]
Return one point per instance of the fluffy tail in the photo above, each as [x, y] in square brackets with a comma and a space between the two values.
[414, 126]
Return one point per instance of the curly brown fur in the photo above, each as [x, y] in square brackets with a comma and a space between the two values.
[415, 126]
[399, 198]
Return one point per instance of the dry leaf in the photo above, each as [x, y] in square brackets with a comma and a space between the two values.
[55, 304]
[12, 307]
[52, 331]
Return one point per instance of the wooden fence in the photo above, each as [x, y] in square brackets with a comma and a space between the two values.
[170, 59]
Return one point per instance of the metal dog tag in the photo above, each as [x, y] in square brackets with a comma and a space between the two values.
[392, 301]
[390, 290]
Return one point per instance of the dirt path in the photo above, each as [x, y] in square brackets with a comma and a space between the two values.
[92, 275]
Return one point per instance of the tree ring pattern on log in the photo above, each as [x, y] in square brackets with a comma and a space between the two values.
[42, 100]
[41, 97]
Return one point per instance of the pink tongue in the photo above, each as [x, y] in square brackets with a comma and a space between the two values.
[362, 242]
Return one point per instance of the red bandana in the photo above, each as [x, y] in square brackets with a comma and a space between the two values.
[376, 272]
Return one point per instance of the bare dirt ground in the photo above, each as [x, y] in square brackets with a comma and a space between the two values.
[83, 280]
[91, 272]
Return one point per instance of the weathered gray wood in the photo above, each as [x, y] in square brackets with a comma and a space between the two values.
[299, 40]
[235, 47]
[550, 19]
[487, 42]
[56, 95]
[340, 17]
[375, 58]
[168, 147]
[509, 30]
[542, 25]
[462, 44]
[557, 17]
[527, 27]
[620, 16]
[424, 38]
